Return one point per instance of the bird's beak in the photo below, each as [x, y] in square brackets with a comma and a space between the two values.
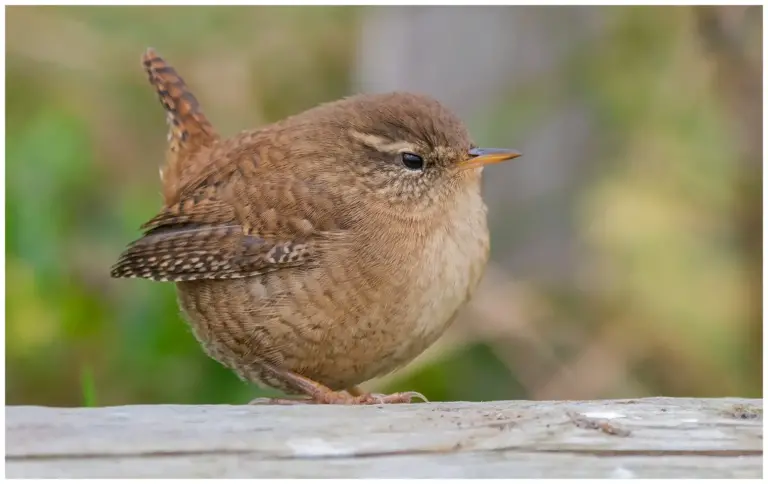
[487, 156]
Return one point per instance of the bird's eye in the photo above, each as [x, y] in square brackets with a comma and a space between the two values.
[412, 161]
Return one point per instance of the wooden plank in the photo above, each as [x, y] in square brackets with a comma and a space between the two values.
[654, 437]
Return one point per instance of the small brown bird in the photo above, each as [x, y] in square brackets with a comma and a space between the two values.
[323, 250]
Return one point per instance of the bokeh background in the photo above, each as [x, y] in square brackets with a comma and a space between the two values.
[626, 247]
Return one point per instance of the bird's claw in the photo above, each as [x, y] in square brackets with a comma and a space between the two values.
[378, 398]
[343, 398]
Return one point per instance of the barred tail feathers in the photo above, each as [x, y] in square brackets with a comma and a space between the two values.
[189, 128]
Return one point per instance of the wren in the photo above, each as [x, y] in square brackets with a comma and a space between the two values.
[323, 250]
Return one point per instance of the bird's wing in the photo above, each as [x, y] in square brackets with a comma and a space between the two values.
[227, 230]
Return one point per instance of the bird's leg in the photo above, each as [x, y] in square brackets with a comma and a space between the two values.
[320, 394]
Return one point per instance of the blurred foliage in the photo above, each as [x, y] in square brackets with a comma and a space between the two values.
[665, 272]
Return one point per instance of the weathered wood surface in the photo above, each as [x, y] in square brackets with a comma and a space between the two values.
[657, 437]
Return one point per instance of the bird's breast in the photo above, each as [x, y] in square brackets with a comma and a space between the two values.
[449, 266]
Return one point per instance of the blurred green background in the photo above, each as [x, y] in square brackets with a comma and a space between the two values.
[626, 261]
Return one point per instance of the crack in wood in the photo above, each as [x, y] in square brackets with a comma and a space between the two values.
[447, 450]
[657, 453]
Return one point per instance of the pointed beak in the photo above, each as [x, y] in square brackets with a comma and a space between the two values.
[487, 156]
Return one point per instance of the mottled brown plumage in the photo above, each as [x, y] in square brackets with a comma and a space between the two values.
[317, 253]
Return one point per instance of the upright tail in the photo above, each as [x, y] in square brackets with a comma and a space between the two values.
[189, 128]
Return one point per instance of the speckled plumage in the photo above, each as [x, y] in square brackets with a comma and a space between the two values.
[306, 247]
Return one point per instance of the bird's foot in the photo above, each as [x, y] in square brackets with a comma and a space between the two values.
[343, 398]
[378, 398]
[319, 394]
[330, 397]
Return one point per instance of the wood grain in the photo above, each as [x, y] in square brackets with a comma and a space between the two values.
[654, 437]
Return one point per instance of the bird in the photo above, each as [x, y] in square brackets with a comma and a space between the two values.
[318, 252]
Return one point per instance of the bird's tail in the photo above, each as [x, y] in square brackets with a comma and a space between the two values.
[189, 128]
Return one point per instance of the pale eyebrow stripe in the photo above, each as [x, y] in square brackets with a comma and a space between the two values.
[382, 144]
